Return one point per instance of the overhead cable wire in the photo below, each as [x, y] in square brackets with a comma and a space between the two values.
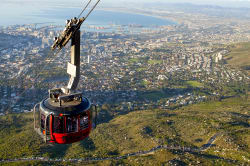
[84, 9]
[87, 15]
[92, 9]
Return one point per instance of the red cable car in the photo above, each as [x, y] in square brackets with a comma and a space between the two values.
[64, 123]
[66, 117]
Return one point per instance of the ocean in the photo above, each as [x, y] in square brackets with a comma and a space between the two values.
[19, 15]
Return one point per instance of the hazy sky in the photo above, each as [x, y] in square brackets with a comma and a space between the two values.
[230, 3]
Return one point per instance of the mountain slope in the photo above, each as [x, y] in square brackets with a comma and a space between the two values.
[191, 127]
[239, 56]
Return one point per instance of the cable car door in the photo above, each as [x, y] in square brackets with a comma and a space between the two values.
[93, 115]
[47, 127]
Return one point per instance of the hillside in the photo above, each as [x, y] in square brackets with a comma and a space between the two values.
[239, 56]
[207, 133]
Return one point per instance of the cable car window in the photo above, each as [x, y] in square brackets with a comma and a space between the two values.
[84, 121]
[72, 124]
[58, 124]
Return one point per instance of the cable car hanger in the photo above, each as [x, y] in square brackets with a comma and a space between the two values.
[72, 26]
[66, 116]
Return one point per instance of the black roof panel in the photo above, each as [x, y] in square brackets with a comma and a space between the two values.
[70, 108]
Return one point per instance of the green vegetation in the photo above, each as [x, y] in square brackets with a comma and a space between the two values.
[140, 69]
[195, 84]
[239, 56]
[154, 62]
[191, 126]
[145, 82]
[154, 95]
[134, 60]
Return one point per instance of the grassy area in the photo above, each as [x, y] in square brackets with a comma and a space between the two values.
[154, 95]
[195, 84]
[145, 82]
[190, 126]
[239, 56]
[134, 60]
[154, 62]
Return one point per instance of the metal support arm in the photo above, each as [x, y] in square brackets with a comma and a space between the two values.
[74, 67]
[72, 31]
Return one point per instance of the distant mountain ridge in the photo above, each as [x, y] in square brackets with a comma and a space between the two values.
[211, 10]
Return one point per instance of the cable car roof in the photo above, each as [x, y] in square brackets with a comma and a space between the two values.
[69, 108]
